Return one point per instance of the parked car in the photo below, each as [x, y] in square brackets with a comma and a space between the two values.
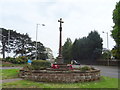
[74, 62]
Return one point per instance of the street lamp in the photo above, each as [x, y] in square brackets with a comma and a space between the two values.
[107, 39]
[107, 44]
[36, 37]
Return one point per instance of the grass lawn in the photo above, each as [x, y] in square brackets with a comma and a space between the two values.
[105, 82]
[9, 73]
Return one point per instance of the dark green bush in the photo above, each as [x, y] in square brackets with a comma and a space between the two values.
[85, 68]
[21, 60]
[10, 59]
[18, 60]
[28, 67]
[40, 64]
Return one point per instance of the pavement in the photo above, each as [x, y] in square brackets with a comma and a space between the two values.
[10, 67]
[10, 80]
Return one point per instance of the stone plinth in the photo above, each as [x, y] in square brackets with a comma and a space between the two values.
[59, 60]
[60, 76]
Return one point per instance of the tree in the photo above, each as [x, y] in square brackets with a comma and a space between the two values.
[87, 48]
[41, 51]
[95, 45]
[106, 54]
[75, 50]
[116, 30]
[66, 51]
[4, 40]
[21, 45]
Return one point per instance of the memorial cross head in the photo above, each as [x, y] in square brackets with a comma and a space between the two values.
[60, 22]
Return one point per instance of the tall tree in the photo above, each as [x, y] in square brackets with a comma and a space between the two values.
[66, 51]
[87, 48]
[95, 45]
[6, 47]
[116, 30]
[41, 51]
[75, 50]
[20, 44]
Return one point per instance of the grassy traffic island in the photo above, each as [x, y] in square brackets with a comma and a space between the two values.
[41, 71]
[103, 82]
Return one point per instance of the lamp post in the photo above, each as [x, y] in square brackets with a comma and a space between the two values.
[107, 44]
[36, 37]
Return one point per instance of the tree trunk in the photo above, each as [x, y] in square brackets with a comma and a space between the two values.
[3, 49]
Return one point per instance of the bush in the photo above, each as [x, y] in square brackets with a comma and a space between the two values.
[85, 68]
[10, 59]
[18, 60]
[28, 67]
[21, 60]
[40, 64]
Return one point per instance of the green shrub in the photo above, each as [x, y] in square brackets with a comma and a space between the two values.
[21, 60]
[40, 64]
[7, 59]
[10, 59]
[18, 60]
[28, 67]
[85, 68]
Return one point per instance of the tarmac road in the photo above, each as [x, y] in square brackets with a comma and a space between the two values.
[110, 71]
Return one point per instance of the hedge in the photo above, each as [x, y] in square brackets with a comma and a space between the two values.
[40, 64]
[18, 60]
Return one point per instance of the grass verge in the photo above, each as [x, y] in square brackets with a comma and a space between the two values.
[9, 73]
[105, 82]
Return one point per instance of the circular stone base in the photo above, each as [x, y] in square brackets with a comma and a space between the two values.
[69, 76]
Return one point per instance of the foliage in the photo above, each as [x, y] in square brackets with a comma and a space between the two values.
[87, 48]
[18, 60]
[21, 45]
[105, 82]
[10, 73]
[21, 60]
[116, 30]
[4, 40]
[85, 68]
[10, 59]
[40, 51]
[115, 53]
[40, 64]
[7, 64]
[66, 51]
[28, 67]
[106, 54]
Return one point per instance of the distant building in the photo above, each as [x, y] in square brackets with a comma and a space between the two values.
[49, 54]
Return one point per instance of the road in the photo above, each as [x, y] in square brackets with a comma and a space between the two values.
[111, 71]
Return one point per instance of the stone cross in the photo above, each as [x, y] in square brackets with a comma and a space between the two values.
[60, 59]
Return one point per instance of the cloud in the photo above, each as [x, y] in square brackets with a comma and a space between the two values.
[80, 17]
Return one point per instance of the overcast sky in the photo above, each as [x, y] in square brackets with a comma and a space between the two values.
[80, 18]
